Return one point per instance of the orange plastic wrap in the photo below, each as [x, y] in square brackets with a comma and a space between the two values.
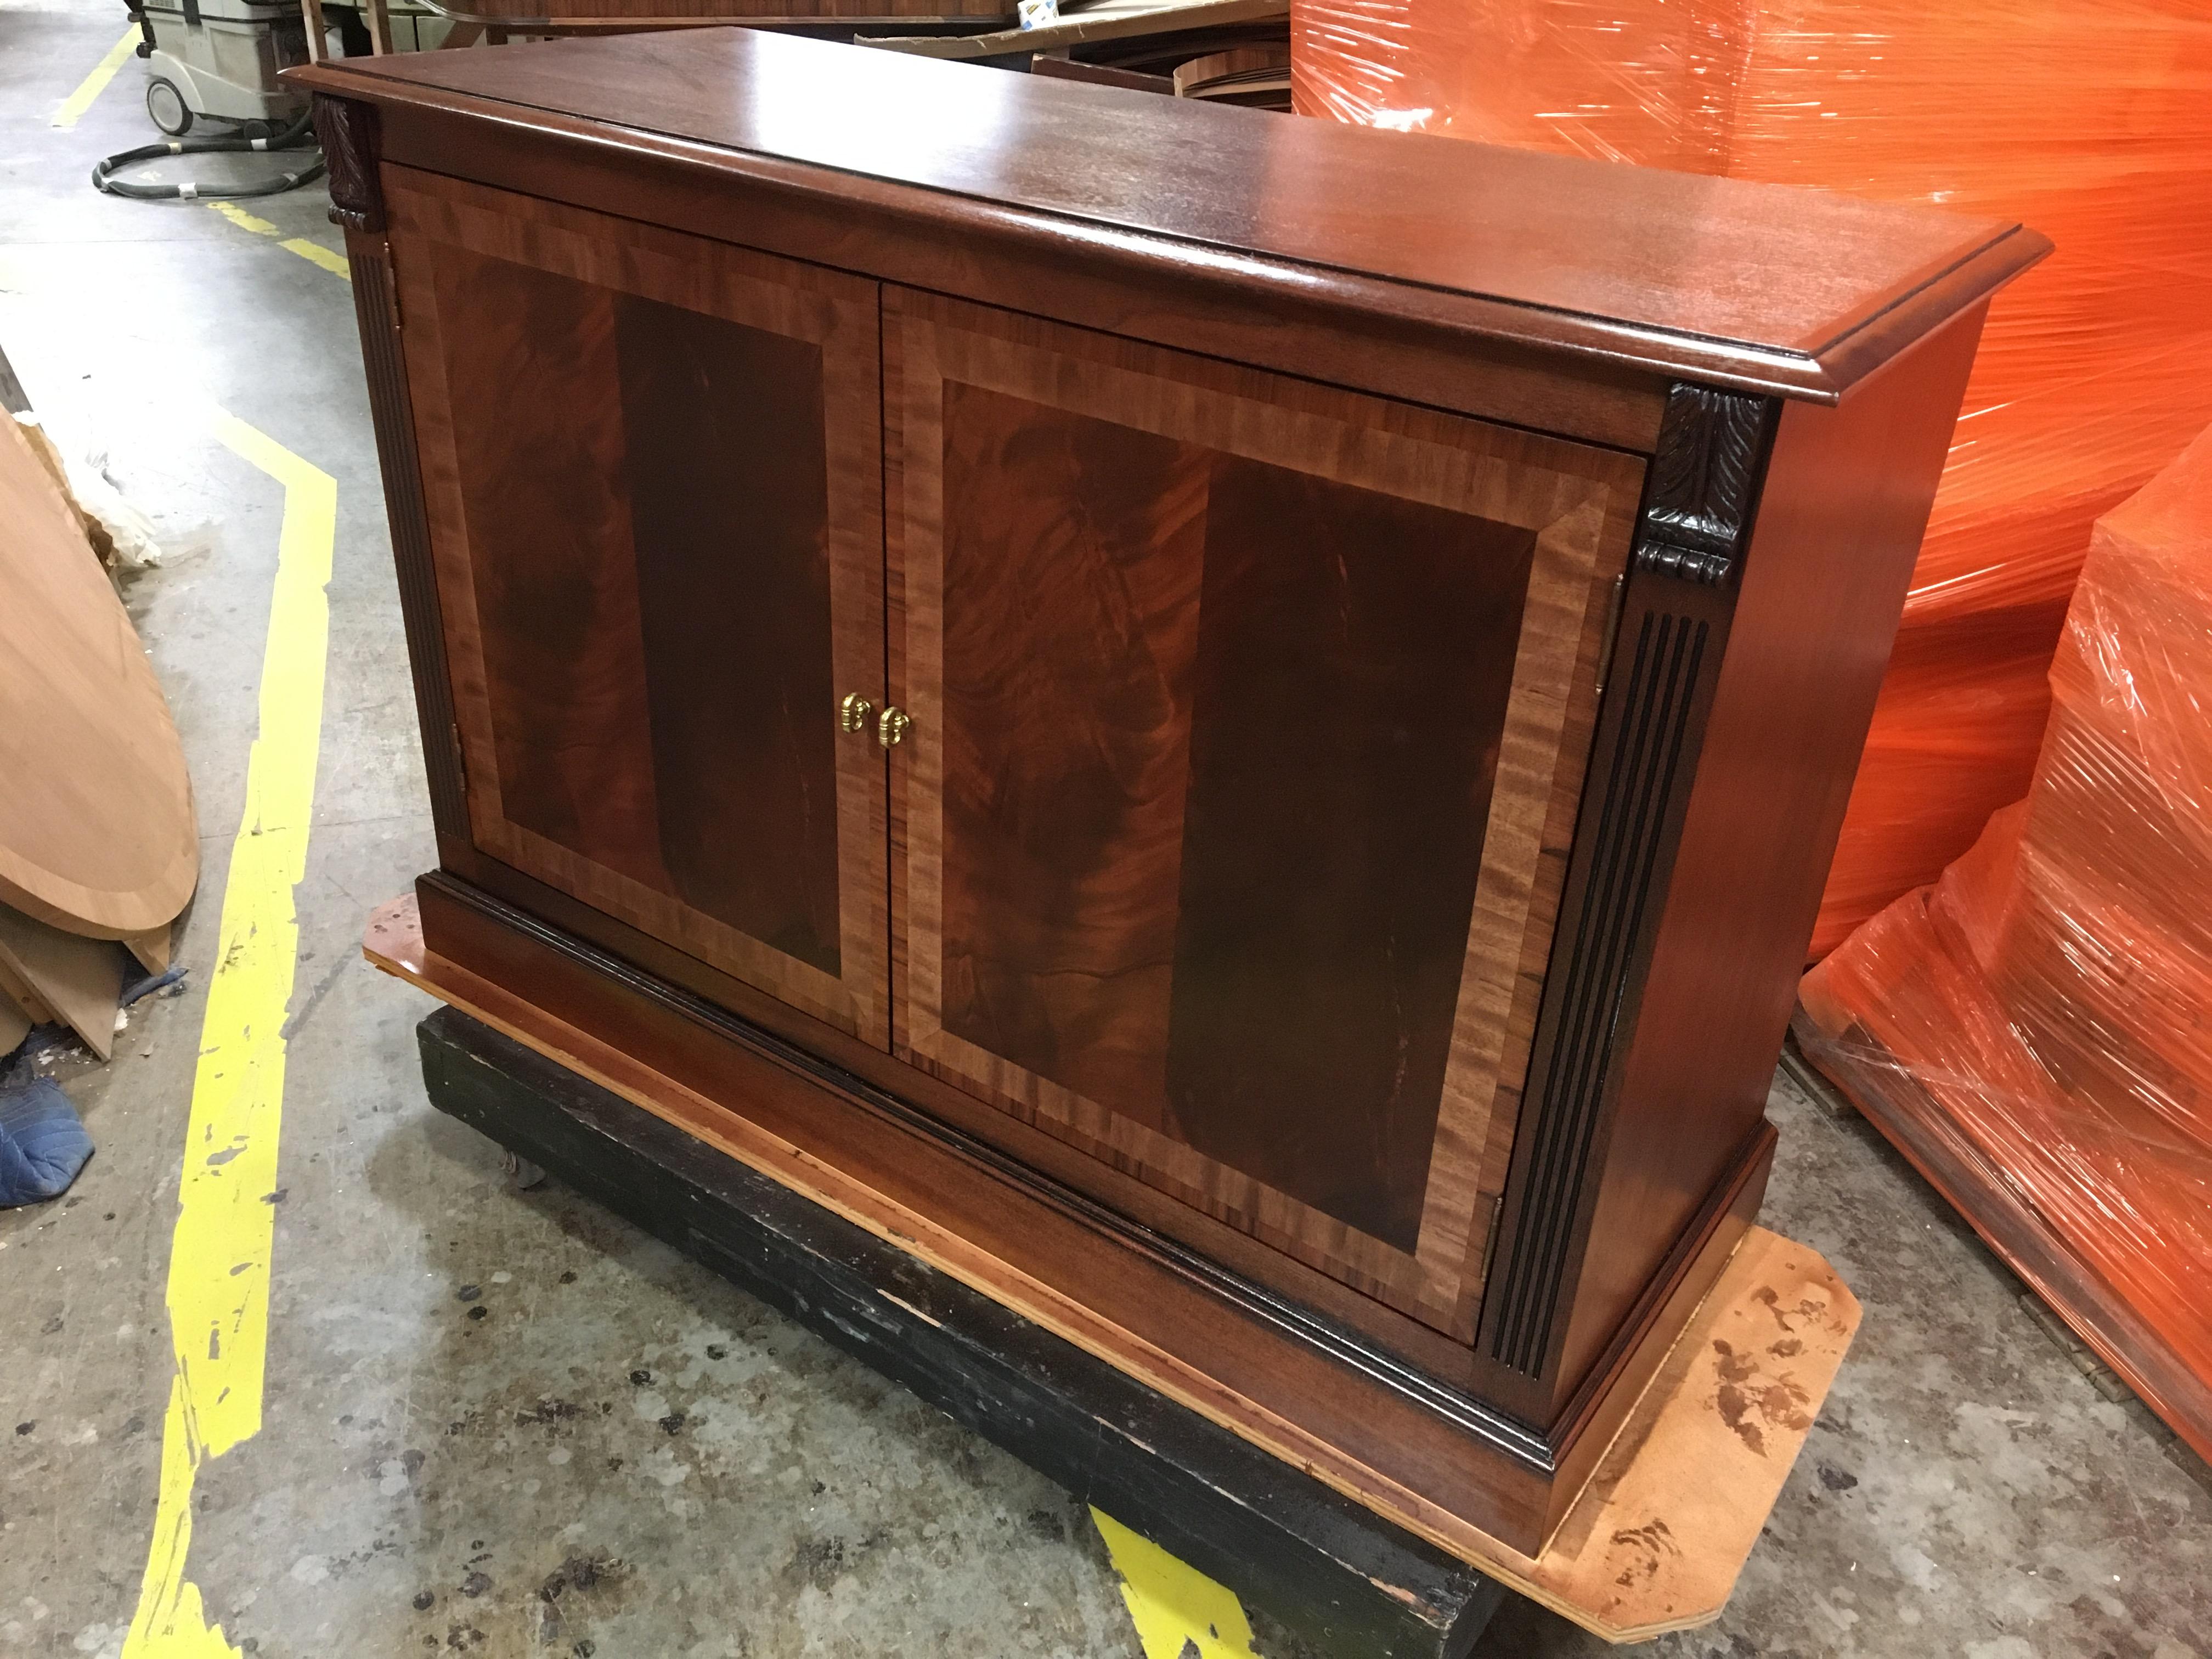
[2089, 119]
[2036, 1028]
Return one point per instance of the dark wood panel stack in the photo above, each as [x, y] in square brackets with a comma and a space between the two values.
[1240, 720]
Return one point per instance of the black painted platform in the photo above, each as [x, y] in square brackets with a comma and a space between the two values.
[1338, 1577]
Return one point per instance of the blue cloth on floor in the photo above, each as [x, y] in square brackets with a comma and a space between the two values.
[43, 1143]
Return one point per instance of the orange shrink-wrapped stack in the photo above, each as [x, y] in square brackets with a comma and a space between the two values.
[2090, 120]
[2035, 1029]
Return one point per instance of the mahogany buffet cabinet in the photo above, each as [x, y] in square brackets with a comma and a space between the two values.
[1240, 718]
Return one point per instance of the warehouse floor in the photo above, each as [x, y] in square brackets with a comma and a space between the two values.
[465, 1442]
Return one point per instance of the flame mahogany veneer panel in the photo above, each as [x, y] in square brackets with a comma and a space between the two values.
[543, 480]
[1220, 739]
[1072, 550]
[1251, 717]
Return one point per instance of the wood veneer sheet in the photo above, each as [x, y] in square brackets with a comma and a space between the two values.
[151, 947]
[97, 833]
[80, 979]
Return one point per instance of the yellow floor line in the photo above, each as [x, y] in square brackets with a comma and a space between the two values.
[1177, 1609]
[245, 221]
[96, 82]
[226, 1225]
[313, 252]
[316, 254]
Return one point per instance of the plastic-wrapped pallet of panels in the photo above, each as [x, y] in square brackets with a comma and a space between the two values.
[2089, 119]
[2035, 1029]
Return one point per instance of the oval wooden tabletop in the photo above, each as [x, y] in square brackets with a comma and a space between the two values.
[97, 834]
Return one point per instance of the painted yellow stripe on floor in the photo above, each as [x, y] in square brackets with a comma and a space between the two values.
[96, 82]
[1177, 1609]
[245, 221]
[226, 1224]
[316, 254]
[313, 252]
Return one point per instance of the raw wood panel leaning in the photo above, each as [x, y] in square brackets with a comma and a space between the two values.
[97, 832]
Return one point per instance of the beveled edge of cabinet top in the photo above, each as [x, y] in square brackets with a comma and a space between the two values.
[1795, 292]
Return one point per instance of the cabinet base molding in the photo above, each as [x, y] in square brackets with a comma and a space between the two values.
[1652, 1541]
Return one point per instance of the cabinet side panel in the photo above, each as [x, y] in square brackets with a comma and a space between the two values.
[1845, 500]
[392, 411]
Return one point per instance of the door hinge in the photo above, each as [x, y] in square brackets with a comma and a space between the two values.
[1490, 1241]
[1614, 606]
[390, 285]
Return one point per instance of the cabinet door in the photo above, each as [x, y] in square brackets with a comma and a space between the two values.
[652, 466]
[1249, 722]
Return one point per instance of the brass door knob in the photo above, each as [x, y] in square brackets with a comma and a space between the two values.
[853, 712]
[892, 726]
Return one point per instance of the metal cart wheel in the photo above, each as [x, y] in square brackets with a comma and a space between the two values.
[166, 104]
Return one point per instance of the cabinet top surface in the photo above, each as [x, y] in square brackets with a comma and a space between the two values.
[1797, 291]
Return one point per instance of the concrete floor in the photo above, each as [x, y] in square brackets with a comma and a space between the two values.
[490, 1473]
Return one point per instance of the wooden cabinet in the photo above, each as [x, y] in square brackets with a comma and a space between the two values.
[1235, 722]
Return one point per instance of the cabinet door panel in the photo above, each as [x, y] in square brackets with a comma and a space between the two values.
[1249, 723]
[652, 469]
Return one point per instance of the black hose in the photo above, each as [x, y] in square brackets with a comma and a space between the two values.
[290, 138]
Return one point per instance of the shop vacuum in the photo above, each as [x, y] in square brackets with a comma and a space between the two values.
[214, 64]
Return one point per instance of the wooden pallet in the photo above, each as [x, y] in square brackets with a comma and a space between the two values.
[1318, 1563]
[1653, 1544]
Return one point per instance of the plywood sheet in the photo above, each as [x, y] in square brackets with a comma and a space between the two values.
[80, 979]
[13, 990]
[151, 948]
[97, 835]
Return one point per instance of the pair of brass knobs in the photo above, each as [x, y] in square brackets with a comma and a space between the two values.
[890, 726]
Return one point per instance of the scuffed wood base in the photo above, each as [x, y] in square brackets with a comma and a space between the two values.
[1654, 1543]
